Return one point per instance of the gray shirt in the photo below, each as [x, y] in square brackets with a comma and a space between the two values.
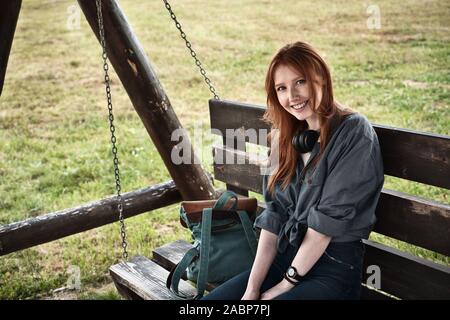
[338, 197]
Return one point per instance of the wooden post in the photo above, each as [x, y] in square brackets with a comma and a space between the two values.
[9, 13]
[148, 97]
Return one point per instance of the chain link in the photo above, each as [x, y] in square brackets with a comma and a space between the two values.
[193, 53]
[112, 128]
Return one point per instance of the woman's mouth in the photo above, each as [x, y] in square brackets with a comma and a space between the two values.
[300, 106]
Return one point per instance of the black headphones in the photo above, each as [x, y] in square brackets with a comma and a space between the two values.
[304, 142]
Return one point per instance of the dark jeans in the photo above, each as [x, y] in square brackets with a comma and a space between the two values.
[336, 275]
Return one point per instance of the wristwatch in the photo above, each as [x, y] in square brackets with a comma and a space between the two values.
[292, 276]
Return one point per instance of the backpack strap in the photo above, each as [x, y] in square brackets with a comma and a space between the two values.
[224, 198]
[174, 277]
[248, 229]
[177, 271]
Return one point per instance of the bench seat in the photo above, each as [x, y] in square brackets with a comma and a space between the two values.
[145, 278]
[410, 155]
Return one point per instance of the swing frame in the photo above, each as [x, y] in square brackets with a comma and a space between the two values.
[407, 154]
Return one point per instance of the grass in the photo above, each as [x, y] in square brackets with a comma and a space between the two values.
[55, 153]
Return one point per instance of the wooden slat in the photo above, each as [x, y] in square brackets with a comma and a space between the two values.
[368, 293]
[406, 276]
[414, 220]
[170, 254]
[415, 156]
[237, 116]
[141, 278]
[407, 154]
[241, 173]
[424, 223]
[234, 142]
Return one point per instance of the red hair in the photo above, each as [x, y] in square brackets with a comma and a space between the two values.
[305, 60]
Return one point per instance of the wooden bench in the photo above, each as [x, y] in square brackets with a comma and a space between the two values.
[425, 223]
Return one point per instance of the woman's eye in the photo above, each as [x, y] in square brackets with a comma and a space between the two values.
[301, 81]
[280, 88]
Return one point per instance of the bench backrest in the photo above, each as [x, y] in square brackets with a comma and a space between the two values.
[410, 155]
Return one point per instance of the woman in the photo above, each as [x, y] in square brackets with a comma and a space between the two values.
[321, 199]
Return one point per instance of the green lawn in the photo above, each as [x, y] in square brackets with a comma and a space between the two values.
[55, 152]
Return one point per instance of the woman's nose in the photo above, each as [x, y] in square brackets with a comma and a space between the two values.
[293, 94]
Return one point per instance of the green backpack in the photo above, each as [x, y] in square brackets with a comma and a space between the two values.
[224, 242]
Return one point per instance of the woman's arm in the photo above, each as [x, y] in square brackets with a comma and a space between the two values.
[265, 254]
[311, 249]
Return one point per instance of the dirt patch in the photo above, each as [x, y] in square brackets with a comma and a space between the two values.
[167, 228]
[415, 84]
[360, 82]
[425, 85]
[86, 293]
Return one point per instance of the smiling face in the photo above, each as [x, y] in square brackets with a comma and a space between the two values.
[293, 92]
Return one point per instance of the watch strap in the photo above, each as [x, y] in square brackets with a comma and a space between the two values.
[290, 280]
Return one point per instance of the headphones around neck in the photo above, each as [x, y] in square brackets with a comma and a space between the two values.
[304, 142]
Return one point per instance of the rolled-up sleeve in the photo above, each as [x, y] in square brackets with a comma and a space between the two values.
[274, 216]
[351, 190]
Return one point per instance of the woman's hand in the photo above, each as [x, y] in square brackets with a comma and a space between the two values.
[250, 295]
[280, 288]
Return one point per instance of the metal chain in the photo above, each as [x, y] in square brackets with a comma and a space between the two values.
[112, 129]
[193, 53]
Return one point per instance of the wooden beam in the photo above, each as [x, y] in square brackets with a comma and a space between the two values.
[9, 14]
[148, 97]
[52, 226]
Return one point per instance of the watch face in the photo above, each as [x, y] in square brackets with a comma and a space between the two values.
[291, 272]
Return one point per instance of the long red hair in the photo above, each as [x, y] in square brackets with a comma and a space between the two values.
[304, 59]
